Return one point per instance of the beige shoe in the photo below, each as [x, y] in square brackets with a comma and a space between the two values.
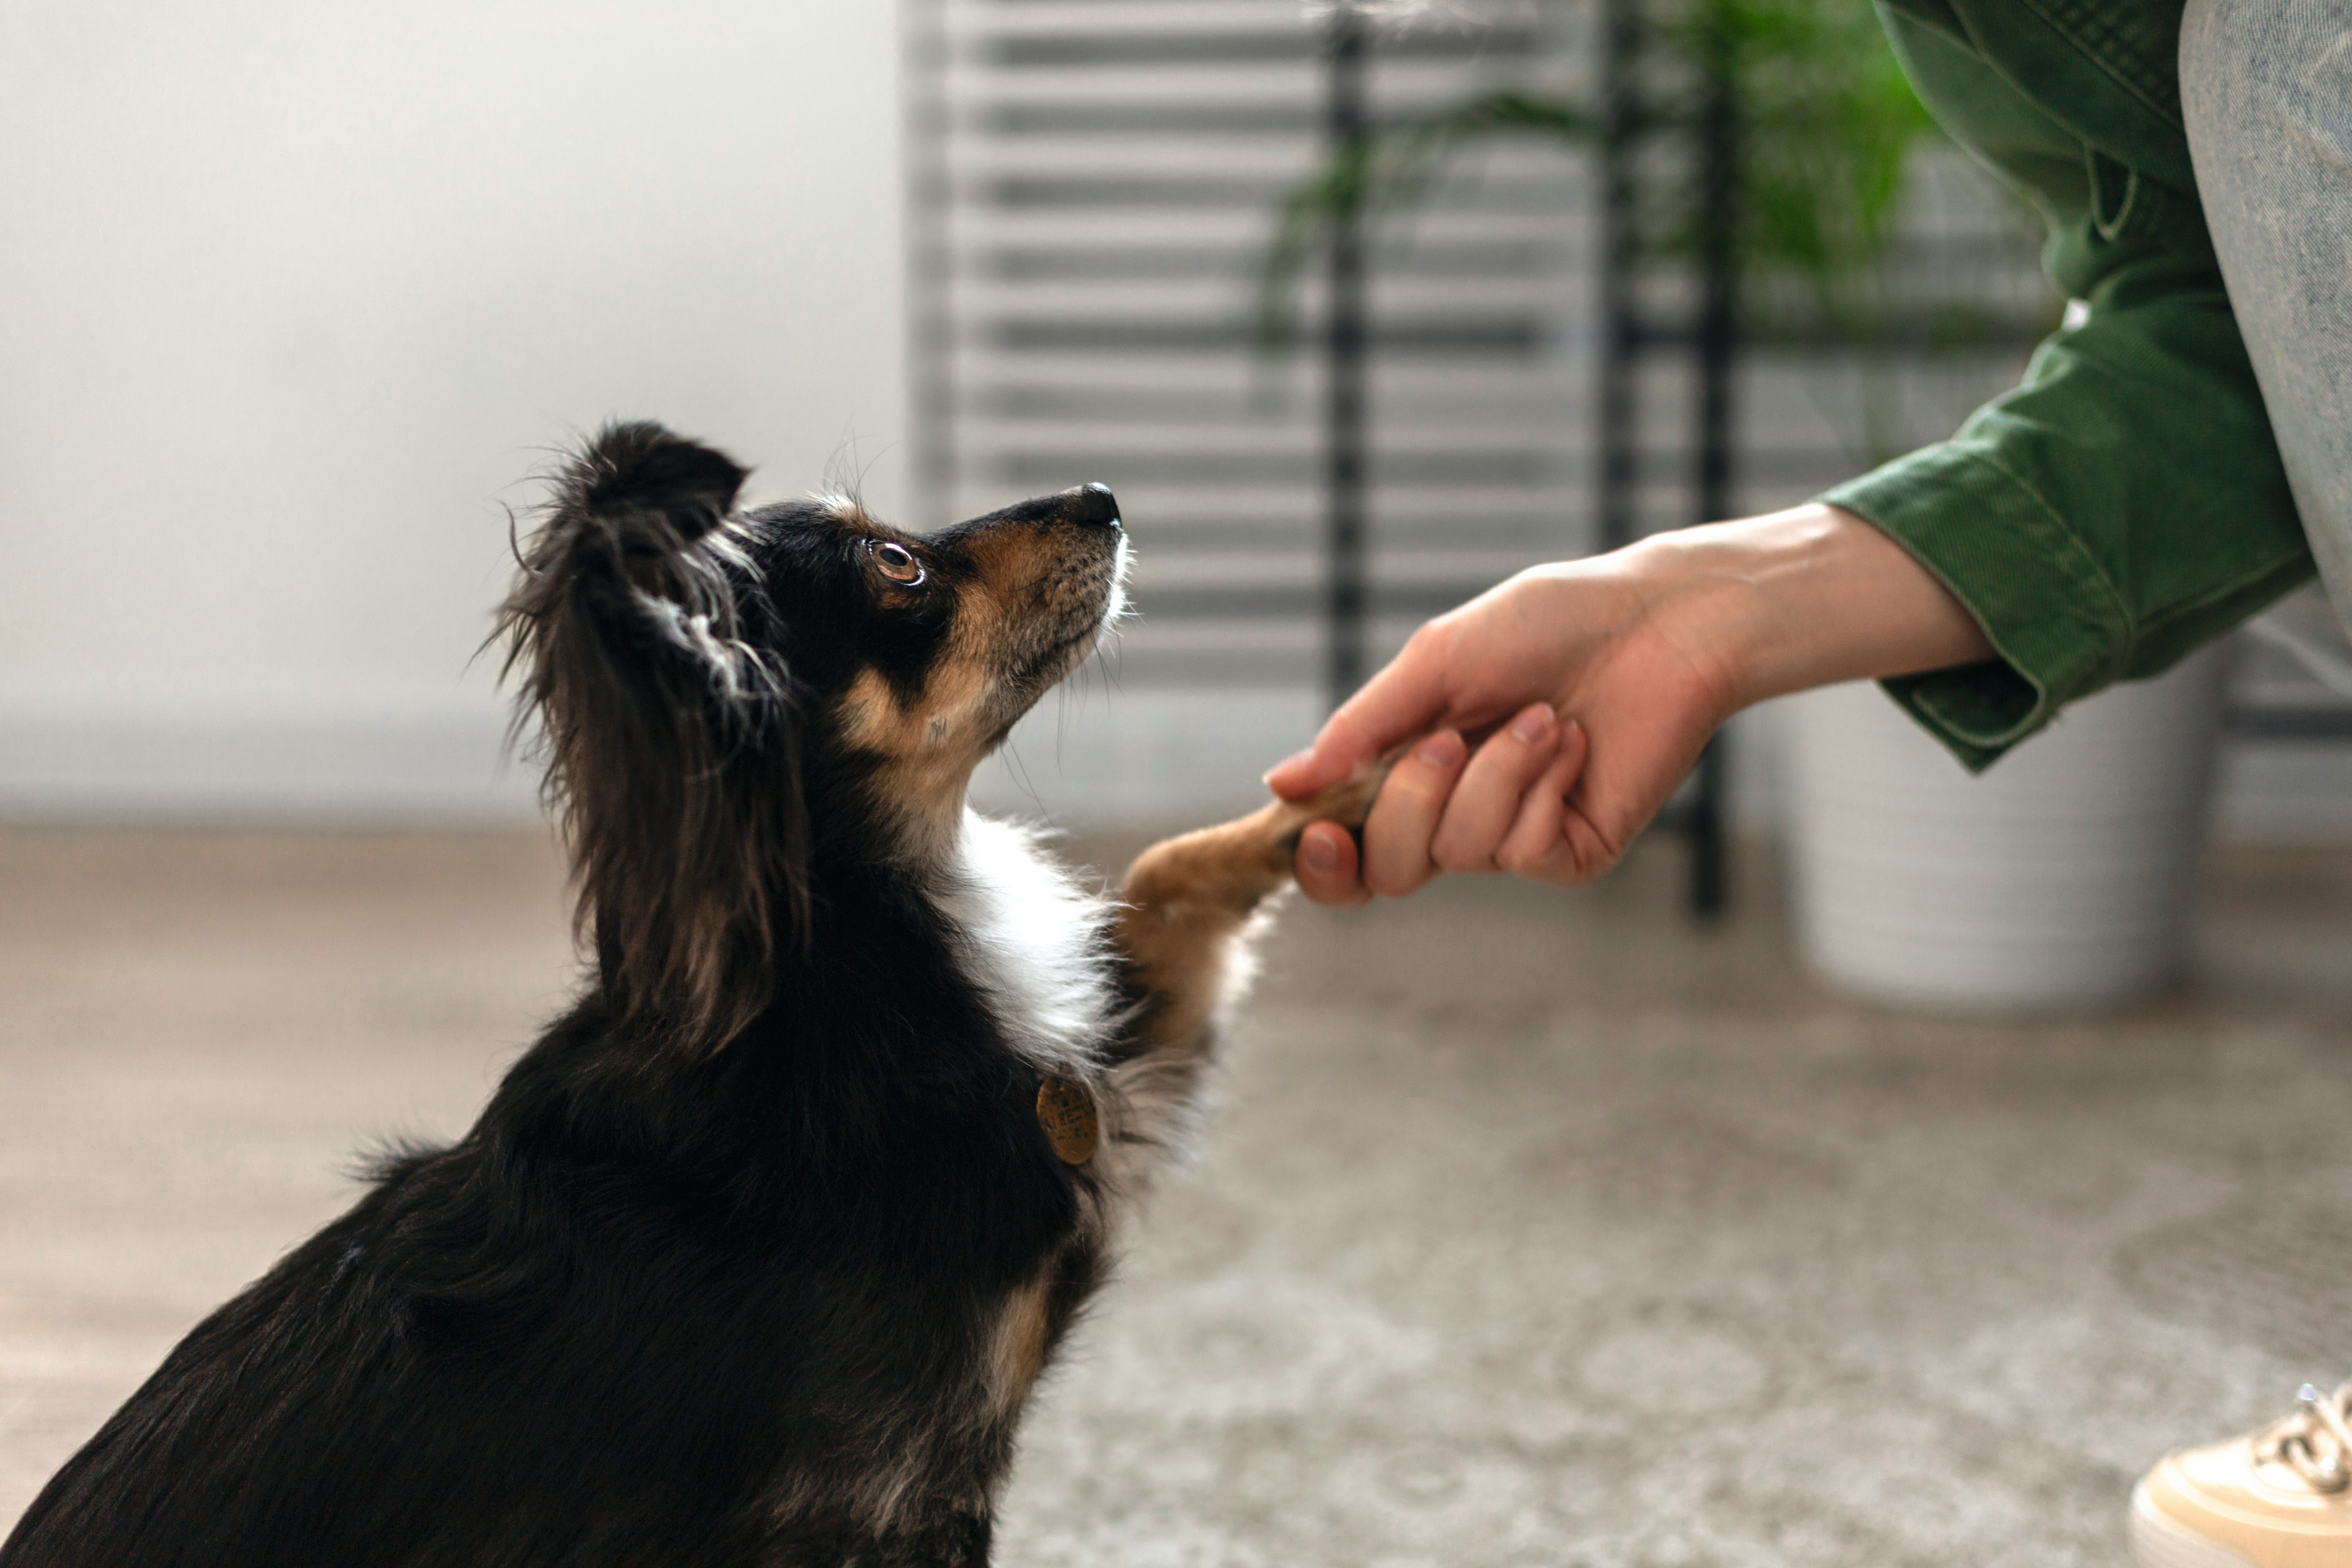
[2279, 1498]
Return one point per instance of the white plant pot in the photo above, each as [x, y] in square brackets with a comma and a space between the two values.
[2059, 882]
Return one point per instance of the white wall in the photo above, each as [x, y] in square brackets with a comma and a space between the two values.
[293, 293]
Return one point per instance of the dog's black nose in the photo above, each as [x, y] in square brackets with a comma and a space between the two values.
[1096, 504]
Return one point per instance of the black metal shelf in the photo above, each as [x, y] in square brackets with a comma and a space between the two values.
[1710, 339]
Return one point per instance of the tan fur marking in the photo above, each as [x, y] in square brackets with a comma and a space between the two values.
[1012, 558]
[1016, 1350]
[929, 745]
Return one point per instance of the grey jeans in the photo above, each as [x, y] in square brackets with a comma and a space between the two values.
[2266, 90]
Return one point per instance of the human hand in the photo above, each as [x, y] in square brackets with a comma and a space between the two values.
[1555, 714]
[1558, 711]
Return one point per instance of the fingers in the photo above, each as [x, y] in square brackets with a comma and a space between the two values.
[1404, 698]
[1490, 799]
[1539, 846]
[1547, 832]
[1300, 774]
[1619, 794]
[1443, 808]
[1605, 814]
[1325, 867]
[1404, 818]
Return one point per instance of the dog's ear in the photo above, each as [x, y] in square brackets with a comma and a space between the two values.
[667, 720]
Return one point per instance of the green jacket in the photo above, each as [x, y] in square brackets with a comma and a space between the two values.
[2125, 503]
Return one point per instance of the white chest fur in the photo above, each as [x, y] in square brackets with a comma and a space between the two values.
[1035, 942]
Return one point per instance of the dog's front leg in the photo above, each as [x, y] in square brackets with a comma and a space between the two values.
[1186, 900]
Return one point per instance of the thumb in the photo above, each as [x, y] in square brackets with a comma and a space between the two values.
[1394, 705]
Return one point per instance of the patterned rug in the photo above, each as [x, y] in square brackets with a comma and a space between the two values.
[1536, 1231]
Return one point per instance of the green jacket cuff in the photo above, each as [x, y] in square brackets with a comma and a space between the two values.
[2056, 623]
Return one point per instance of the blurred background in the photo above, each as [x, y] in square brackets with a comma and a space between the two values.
[1685, 1219]
[298, 299]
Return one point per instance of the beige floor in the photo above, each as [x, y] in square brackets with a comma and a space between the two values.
[1538, 1229]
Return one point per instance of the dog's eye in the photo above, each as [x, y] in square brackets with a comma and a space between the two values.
[898, 562]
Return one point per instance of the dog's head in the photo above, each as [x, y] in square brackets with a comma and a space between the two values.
[718, 690]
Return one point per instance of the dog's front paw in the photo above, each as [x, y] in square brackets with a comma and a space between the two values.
[1234, 866]
[1347, 802]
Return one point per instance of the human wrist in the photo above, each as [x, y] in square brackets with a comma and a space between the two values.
[1806, 598]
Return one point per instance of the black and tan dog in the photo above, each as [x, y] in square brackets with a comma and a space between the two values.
[754, 1258]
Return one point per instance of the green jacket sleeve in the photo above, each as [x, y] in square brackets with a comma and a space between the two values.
[2125, 503]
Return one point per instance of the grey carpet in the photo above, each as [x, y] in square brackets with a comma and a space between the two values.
[1536, 1229]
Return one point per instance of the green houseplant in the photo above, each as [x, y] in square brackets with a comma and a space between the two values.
[1821, 181]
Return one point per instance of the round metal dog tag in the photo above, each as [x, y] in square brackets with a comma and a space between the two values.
[1066, 1111]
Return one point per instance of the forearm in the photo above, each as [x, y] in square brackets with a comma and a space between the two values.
[1806, 598]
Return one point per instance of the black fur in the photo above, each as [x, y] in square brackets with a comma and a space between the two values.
[710, 1280]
